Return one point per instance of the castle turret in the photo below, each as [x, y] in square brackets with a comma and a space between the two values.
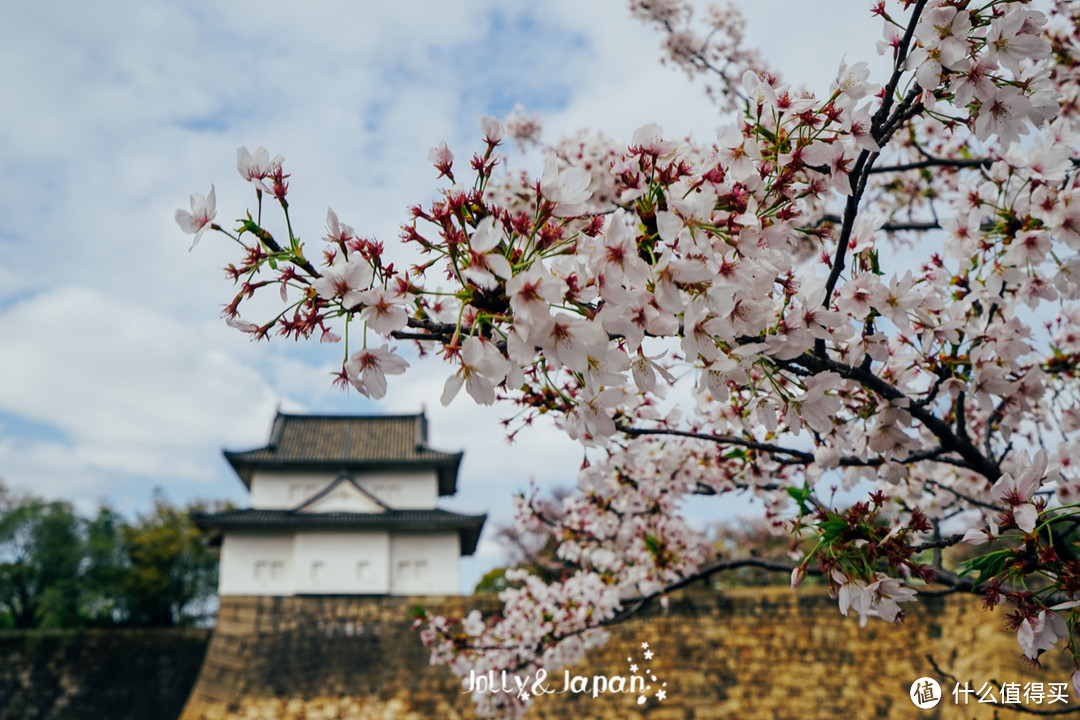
[343, 505]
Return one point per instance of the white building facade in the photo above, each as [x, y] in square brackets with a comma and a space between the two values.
[344, 505]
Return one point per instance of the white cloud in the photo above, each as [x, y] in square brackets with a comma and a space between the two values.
[130, 395]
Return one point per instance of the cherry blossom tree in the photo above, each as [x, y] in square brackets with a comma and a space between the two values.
[861, 309]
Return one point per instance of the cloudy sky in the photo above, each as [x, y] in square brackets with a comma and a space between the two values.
[116, 374]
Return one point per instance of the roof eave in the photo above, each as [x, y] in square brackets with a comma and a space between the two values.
[214, 523]
[448, 463]
[241, 467]
[448, 474]
[470, 536]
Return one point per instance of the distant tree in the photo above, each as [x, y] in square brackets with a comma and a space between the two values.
[172, 574]
[41, 550]
[526, 549]
[60, 570]
[106, 567]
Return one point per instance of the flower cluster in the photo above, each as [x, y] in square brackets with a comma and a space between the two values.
[876, 290]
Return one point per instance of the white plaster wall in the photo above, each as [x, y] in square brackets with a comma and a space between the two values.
[342, 562]
[319, 562]
[281, 491]
[256, 564]
[424, 563]
[401, 489]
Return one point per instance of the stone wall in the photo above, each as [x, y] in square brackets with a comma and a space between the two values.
[763, 653]
[98, 674]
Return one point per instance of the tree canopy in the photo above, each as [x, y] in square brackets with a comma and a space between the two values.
[58, 569]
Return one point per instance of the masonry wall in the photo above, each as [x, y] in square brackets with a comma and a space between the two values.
[763, 653]
[98, 674]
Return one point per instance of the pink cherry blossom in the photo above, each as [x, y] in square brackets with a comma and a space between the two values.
[493, 129]
[567, 189]
[384, 310]
[486, 263]
[1011, 39]
[203, 211]
[532, 293]
[443, 159]
[257, 167]
[1041, 633]
[525, 130]
[482, 367]
[1003, 113]
[347, 279]
[367, 369]
[337, 231]
[851, 81]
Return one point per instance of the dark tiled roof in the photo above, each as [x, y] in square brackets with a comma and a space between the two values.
[468, 526]
[344, 442]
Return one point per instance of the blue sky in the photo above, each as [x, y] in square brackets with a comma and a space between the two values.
[116, 374]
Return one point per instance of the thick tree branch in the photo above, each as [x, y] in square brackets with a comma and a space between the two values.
[633, 606]
[893, 227]
[950, 441]
[932, 163]
[770, 448]
[899, 66]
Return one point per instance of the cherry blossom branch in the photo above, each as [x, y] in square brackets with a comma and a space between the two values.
[984, 163]
[891, 227]
[943, 542]
[899, 65]
[950, 442]
[272, 245]
[881, 130]
[916, 226]
[719, 439]
[966, 498]
[793, 456]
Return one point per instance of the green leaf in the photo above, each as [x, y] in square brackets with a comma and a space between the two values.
[801, 496]
[831, 529]
[988, 566]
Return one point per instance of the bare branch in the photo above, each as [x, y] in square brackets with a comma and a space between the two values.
[932, 162]
[900, 65]
[950, 441]
[770, 448]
